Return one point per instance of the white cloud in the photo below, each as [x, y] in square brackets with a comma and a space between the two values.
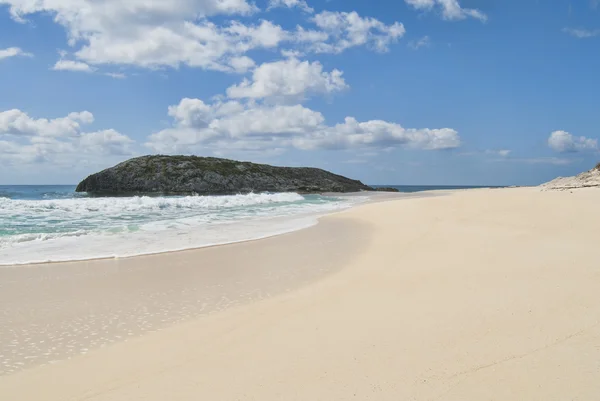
[70, 65]
[342, 30]
[450, 9]
[301, 4]
[377, 133]
[564, 142]
[203, 45]
[288, 78]
[152, 34]
[581, 33]
[18, 123]
[28, 140]
[99, 15]
[249, 126]
[116, 75]
[498, 152]
[423, 42]
[265, 35]
[241, 64]
[291, 53]
[310, 36]
[107, 141]
[173, 33]
[13, 52]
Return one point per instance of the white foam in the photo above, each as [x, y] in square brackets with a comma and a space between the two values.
[124, 227]
[118, 206]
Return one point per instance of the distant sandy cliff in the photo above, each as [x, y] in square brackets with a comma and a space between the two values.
[584, 180]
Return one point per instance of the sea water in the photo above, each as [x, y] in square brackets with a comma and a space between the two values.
[54, 223]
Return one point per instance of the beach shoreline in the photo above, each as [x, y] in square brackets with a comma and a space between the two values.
[302, 221]
[483, 294]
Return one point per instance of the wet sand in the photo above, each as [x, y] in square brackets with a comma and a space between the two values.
[50, 312]
[479, 295]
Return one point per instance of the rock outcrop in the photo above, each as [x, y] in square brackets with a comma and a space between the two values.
[386, 189]
[211, 176]
[584, 180]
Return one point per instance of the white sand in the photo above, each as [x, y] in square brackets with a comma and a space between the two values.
[480, 295]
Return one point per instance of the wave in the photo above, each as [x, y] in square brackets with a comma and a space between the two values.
[140, 203]
[33, 231]
[20, 238]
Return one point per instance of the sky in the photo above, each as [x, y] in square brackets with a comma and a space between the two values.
[407, 92]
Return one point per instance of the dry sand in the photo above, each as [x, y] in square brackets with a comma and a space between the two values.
[479, 295]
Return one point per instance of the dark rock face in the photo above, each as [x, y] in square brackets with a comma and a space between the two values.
[211, 176]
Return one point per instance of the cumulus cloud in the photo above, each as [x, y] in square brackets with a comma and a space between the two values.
[107, 141]
[241, 64]
[289, 78]
[204, 45]
[99, 15]
[564, 142]
[339, 31]
[150, 34]
[17, 123]
[450, 9]
[13, 52]
[379, 134]
[180, 32]
[24, 139]
[252, 126]
[70, 65]
[581, 33]
[301, 4]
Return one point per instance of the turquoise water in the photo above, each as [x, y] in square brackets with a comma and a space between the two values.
[39, 192]
[421, 188]
[52, 223]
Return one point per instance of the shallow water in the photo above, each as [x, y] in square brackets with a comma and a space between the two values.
[53, 223]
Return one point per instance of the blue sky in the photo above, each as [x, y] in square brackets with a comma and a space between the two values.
[493, 92]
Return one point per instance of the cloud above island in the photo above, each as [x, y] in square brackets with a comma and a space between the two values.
[253, 126]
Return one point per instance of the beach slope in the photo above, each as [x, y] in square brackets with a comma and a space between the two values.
[476, 295]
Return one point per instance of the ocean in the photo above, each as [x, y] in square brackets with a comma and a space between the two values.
[421, 188]
[54, 223]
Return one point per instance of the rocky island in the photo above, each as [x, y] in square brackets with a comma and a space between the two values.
[211, 176]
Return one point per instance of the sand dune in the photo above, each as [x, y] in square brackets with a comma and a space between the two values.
[478, 295]
[587, 179]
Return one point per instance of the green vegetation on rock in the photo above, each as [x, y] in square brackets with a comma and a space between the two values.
[211, 176]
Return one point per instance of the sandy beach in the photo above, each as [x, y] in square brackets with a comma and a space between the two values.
[488, 294]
